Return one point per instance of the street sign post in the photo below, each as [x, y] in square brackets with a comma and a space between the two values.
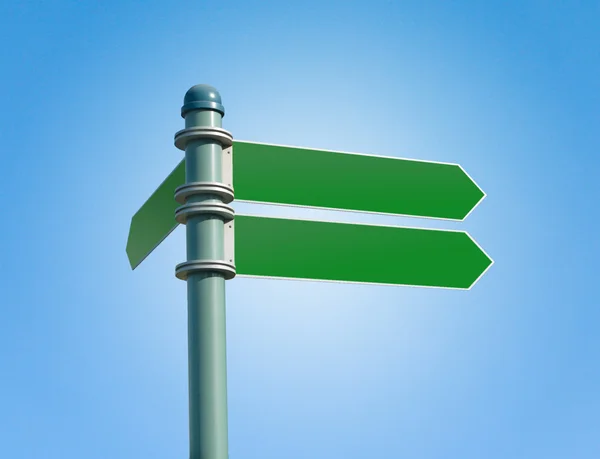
[205, 212]
[198, 193]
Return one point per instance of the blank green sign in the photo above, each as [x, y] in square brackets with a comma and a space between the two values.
[317, 178]
[320, 178]
[156, 218]
[300, 249]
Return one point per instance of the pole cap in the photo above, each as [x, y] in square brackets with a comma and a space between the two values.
[202, 97]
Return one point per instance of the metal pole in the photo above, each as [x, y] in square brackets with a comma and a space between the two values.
[208, 220]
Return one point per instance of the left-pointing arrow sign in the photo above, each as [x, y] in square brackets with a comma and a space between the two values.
[156, 218]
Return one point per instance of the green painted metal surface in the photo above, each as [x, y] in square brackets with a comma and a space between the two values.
[318, 178]
[327, 179]
[301, 249]
[156, 218]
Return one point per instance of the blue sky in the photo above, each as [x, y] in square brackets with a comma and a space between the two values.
[93, 356]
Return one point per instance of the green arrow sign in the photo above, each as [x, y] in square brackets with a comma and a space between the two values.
[315, 250]
[318, 178]
[156, 218]
[346, 181]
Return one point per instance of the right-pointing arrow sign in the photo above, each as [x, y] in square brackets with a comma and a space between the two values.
[346, 181]
[316, 250]
[307, 177]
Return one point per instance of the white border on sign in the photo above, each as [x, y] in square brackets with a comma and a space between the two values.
[369, 283]
[362, 154]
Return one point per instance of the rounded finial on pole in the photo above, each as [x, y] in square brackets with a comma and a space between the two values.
[202, 97]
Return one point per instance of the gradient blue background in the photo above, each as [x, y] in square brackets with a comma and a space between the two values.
[93, 355]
